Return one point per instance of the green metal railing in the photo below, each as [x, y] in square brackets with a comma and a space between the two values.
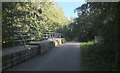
[25, 36]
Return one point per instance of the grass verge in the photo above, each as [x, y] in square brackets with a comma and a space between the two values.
[96, 57]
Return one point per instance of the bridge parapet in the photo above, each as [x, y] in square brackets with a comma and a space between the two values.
[33, 45]
[15, 55]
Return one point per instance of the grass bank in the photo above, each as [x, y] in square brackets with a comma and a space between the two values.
[96, 57]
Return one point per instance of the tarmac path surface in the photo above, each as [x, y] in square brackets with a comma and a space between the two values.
[62, 58]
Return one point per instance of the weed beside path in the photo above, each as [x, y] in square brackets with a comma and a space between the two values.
[96, 57]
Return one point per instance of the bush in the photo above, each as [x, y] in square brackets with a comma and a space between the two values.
[96, 57]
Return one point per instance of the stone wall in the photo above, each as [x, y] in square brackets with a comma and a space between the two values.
[16, 55]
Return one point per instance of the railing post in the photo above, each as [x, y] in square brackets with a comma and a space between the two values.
[59, 35]
[46, 36]
[52, 35]
[49, 35]
[35, 35]
[24, 41]
[55, 35]
[13, 39]
[42, 36]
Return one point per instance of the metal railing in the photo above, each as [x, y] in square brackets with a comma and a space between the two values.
[26, 36]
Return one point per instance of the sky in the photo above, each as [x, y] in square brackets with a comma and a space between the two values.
[68, 8]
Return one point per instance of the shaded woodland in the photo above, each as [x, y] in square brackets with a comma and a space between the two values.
[94, 19]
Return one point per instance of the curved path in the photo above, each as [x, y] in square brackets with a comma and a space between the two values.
[62, 58]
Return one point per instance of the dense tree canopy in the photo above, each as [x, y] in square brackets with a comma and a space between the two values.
[31, 16]
[95, 19]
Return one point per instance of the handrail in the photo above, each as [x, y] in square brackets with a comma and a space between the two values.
[24, 42]
[44, 36]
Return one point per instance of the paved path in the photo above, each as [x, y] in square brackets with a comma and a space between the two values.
[62, 58]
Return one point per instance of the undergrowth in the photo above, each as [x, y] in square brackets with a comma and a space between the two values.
[97, 57]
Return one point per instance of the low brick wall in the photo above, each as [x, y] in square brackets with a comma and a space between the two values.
[16, 55]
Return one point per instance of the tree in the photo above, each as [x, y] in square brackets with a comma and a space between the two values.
[30, 16]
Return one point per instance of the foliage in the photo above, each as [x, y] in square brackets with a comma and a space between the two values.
[98, 58]
[30, 16]
[95, 19]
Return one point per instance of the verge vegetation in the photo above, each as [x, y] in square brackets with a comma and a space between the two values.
[96, 57]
